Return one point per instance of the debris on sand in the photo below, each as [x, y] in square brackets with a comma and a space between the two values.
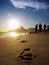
[23, 41]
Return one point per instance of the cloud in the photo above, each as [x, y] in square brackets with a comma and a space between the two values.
[23, 4]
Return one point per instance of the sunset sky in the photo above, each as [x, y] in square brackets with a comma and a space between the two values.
[25, 13]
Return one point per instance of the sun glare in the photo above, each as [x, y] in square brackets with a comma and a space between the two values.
[13, 34]
[13, 23]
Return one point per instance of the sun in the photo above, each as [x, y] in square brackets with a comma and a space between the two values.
[13, 23]
[13, 34]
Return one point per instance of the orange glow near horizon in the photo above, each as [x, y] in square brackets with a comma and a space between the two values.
[13, 34]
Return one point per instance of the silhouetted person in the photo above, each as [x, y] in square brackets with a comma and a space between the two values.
[44, 27]
[40, 27]
[48, 28]
[36, 27]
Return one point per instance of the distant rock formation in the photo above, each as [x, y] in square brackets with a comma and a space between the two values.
[19, 30]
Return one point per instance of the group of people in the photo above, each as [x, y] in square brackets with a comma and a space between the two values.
[39, 27]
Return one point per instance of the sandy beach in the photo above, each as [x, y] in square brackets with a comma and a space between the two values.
[10, 49]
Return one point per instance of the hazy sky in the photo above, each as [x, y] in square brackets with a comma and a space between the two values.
[28, 12]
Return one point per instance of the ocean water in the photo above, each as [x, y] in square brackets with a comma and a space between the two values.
[10, 34]
[3, 34]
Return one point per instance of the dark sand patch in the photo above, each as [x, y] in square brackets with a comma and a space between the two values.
[26, 56]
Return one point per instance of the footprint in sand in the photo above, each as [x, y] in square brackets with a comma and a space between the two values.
[23, 41]
[26, 55]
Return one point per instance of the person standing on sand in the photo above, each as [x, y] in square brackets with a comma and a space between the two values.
[44, 27]
[40, 27]
[36, 27]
